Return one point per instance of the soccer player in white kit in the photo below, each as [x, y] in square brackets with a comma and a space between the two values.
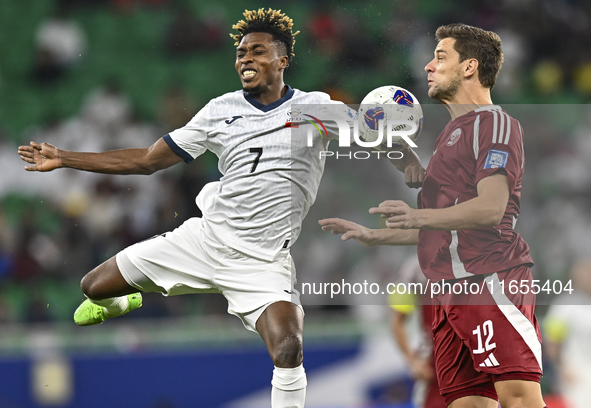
[251, 217]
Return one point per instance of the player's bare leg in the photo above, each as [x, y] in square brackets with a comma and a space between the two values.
[519, 393]
[108, 295]
[281, 327]
[512, 394]
[473, 401]
[105, 281]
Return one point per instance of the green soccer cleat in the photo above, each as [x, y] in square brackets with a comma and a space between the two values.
[89, 314]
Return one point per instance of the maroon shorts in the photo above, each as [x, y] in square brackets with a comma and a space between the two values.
[482, 338]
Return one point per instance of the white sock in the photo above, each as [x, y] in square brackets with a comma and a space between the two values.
[287, 399]
[113, 306]
[289, 387]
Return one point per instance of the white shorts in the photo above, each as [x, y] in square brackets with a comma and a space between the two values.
[191, 260]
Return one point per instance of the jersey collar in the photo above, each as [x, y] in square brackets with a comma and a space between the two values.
[271, 106]
[488, 108]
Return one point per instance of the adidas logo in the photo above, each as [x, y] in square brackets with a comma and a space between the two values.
[490, 361]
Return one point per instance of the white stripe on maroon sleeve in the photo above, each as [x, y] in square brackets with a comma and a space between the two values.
[501, 127]
[494, 132]
[508, 129]
[476, 136]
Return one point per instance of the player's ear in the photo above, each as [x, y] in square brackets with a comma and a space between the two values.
[470, 67]
[284, 62]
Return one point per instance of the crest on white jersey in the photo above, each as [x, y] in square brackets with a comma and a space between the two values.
[294, 115]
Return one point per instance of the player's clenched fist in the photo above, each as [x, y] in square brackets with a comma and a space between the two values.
[44, 156]
[414, 176]
[398, 214]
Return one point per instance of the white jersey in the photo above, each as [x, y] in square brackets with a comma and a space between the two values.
[270, 174]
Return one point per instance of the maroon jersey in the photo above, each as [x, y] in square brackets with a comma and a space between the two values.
[471, 147]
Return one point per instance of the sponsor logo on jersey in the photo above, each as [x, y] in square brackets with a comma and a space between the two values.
[455, 136]
[496, 159]
[234, 119]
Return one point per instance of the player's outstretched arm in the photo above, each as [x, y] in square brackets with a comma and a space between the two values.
[410, 165]
[45, 157]
[485, 210]
[367, 236]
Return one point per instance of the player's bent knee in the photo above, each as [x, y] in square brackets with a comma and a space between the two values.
[288, 352]
[91, 288]
[105, 281]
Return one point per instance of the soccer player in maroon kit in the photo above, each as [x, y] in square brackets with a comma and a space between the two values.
[487, 346]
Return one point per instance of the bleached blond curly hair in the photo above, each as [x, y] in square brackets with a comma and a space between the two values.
[269, 21]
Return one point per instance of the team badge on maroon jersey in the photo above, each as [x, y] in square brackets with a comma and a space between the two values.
[455, 136]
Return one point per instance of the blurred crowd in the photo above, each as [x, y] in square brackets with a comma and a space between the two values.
[56, 226]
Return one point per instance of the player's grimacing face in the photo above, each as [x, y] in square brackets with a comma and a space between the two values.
[444, 71]
[259, 62]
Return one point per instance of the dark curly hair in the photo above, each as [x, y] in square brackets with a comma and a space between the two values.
[269, 21]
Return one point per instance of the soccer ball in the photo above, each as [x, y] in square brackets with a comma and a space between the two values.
[389, 103]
